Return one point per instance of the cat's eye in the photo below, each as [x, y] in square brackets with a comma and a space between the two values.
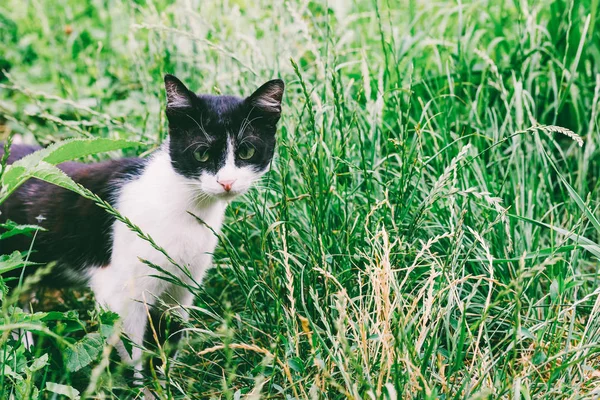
[201, 155]
[246, 152]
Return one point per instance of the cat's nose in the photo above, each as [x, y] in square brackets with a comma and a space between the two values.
[227, 184]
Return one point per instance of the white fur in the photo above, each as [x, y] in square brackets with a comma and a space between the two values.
[268, 103]
[177, 94]
[178, 100]
[158, 202]
[270, 99]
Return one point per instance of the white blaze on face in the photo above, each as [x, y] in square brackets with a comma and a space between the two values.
[230, 180]
[229, 172]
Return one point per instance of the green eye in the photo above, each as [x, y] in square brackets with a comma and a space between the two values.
[246, 153]
[201, 155]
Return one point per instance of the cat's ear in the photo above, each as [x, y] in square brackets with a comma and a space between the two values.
[178, 96]
[267, 98]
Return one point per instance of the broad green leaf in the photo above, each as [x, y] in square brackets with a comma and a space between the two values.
[60, 316]
[84, 352]
[12, 261]
[51, 174]
[12, 229]
[67, 150]
[65, 390]
[18, 315]
[48, 173]
[77, 148]
[38, 363]
[107, 323]
[29, 166]
[44, 171]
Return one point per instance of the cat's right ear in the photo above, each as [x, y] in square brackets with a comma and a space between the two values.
[267, 98]
[178, 96]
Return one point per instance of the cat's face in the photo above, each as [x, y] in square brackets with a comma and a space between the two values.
[222, 144]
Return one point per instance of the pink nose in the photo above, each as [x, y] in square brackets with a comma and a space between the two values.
[227, 184]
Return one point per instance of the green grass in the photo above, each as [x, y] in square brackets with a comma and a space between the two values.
[426, 231]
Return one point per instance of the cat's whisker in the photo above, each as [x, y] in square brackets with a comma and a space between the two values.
[200, 126]
[199, 143]
[244, 124]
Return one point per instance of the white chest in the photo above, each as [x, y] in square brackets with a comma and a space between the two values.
[180, 235]
[159, 204]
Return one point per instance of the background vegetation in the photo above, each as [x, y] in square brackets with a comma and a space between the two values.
[426, 231]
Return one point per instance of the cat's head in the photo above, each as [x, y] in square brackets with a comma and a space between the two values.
[222, 144]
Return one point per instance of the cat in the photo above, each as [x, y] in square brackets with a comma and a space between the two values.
[217, 147]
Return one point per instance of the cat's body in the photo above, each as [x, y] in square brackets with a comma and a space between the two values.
[218, 146]
[79, 232]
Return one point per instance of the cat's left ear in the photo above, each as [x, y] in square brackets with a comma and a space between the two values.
[178, 95]
[267, 98]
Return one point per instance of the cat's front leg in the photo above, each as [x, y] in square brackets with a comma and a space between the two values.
[130, 297]
[134, 321]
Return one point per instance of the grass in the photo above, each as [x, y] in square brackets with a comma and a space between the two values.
[429, 228]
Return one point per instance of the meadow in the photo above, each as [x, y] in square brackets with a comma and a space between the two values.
[429, 228]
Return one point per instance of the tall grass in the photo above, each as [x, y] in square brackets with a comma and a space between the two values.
[428, 229]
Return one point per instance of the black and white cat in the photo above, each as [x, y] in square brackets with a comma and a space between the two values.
[218, 147]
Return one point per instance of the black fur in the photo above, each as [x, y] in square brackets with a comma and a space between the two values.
[78, 231]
